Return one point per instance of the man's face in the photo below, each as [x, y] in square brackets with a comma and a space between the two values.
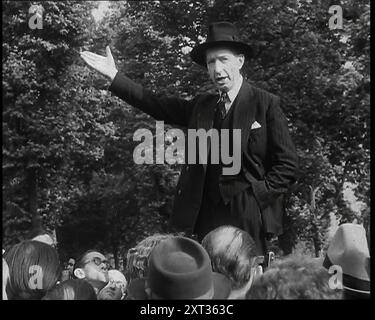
[71, 265]
[112, 291]
[111, 260]
[224, 67]
[96, 267]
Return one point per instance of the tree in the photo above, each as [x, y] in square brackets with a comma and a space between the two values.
[34, 151]
[68, 144]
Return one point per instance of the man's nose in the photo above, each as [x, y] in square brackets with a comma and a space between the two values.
[218, 67]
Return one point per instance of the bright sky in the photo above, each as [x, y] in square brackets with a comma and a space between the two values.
[349, 196]
[100, 11]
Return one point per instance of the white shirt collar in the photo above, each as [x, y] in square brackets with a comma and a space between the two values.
[232, 94]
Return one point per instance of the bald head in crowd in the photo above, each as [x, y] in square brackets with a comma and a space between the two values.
[233, 253]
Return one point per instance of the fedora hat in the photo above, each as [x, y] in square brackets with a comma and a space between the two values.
[220, 34]
[180, 268]
[349, 250]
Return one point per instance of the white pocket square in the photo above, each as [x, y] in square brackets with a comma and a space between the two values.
[255, 125]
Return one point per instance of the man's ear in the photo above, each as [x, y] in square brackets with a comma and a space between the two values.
[79, 273]
[241, 60]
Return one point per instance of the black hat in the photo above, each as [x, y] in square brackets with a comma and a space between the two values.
[180, 268]
[220, 34]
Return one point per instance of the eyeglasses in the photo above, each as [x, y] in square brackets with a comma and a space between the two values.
[99, 261]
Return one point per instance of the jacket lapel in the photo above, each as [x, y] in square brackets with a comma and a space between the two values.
[244, 113]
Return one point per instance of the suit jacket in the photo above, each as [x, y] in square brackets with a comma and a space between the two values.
[269, 160]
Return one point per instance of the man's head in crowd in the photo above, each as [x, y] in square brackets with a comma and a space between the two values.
[70, 265]
[137, 257]
[115, 289]
[179, 268]
[111, 260]
[233, 253]
[294, 277]
[92, 266]
[72, 289]
[34, 268]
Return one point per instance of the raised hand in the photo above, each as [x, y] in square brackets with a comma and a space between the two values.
[105, 65]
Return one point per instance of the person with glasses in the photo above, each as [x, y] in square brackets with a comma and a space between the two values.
[93, 267]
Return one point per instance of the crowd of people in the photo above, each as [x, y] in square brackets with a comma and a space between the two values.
[225, 265]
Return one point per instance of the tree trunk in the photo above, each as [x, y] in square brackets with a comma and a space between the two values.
[287, 240]
[36, 219]
[115, 256]
[317, 243]
[314, 212]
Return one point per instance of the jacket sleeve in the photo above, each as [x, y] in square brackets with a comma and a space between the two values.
[172, 110]
[284, 161]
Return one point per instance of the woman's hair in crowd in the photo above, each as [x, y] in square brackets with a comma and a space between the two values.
[232, 252]
[294, 277]
[72, 289]
[137, 257]
[34, 269]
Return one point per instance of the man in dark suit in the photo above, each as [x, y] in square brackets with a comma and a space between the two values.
[206, 198]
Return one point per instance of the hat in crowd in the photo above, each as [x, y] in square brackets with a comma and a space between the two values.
[349, 250]
[180, 268]
[220, 34]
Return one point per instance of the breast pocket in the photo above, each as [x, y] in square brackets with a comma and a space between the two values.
[257, 142]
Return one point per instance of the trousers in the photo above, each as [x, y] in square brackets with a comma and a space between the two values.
[236, 213]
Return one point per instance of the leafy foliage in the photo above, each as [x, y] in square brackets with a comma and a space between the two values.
[68, 144]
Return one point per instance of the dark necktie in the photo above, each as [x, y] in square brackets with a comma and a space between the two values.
[221, 104]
